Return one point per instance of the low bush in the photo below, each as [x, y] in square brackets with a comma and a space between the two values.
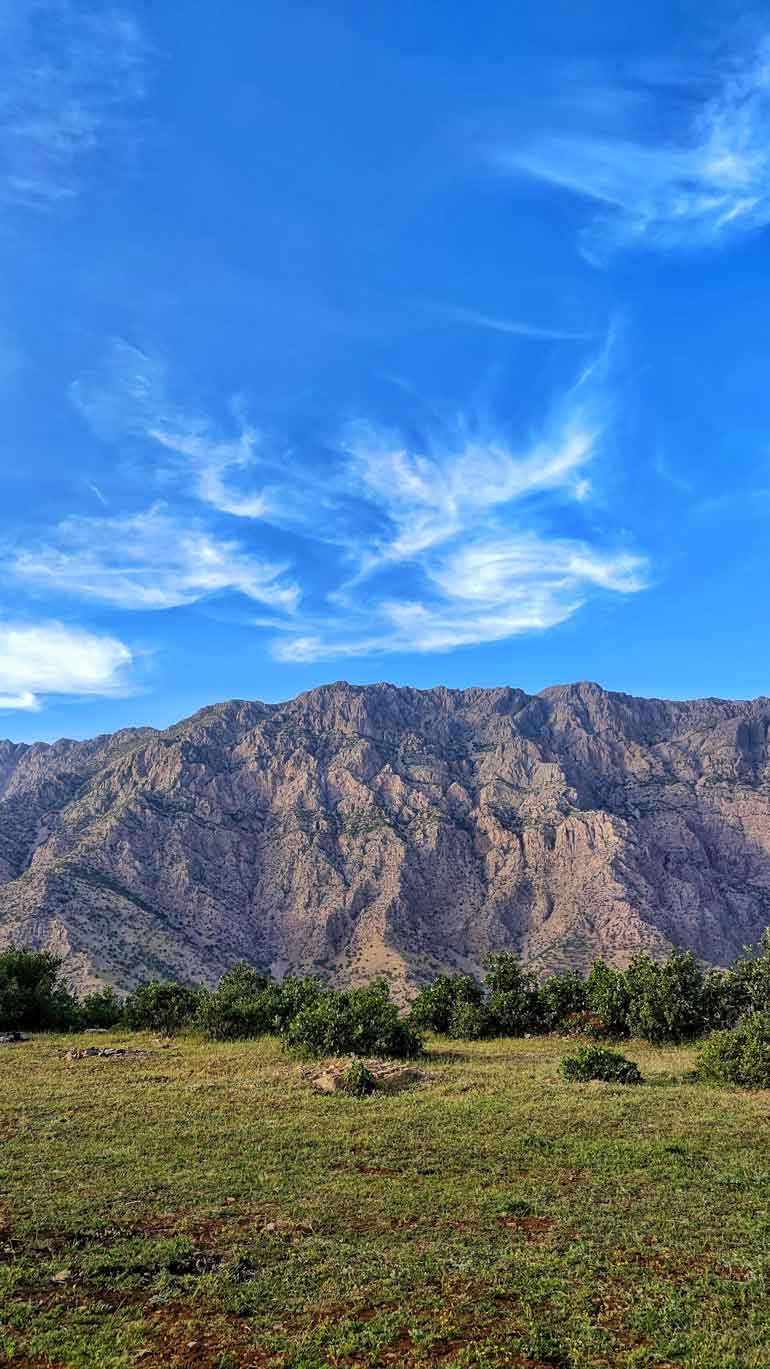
[162, 1006]
[248, 1004]
[665, 999]
[739, 1056]
[101, 1009]
[607, 997]
[356, 1022]
[435, 1005]
[597, 1062]
[33, 994]
[296, 995]
[511, 1013]
[469, 1022]
[513, 1006]
[243, 981]
[230, 1016]
[725, 999]
[562, 997]
[750, 977]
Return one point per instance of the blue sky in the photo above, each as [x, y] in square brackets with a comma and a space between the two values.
[405, 342]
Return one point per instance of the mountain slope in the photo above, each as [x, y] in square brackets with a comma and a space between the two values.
[362, 830]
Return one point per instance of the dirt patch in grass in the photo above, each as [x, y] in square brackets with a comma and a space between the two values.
[174, 1332]
[24, 1362]
[379, 1171]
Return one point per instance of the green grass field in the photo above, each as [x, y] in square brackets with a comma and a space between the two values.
[202, 1206]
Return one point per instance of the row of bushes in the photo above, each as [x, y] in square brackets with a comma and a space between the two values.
[34, 996]
[738, 1055]
[670, 1001]
[673, 1000]
[311, 1018]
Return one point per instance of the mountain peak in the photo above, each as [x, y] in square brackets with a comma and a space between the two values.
[362, 830]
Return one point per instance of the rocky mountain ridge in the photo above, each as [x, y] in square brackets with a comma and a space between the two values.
[361, 830]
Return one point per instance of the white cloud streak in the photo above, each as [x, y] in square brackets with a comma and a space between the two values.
[152, 560]
[688, 172]
[429, 497]
[211, 460]
[128, 395]
[486, 593]
[515, 327]
[52, 658]
[450, 541]
[455, 531]
[69, 75]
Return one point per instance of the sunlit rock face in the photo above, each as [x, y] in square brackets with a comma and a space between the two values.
[362, 831]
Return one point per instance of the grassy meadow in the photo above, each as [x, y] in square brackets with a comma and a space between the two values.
[202, 1206]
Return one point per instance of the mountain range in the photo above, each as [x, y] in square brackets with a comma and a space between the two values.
[375, 830]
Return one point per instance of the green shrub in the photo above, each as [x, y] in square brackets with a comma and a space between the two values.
[356, 1022]
[248, 1004]
[505, 974]
[295, 995]
[469, 1022]
[510, 1013]
[162, 1006]
[725, 999]
[243, 981]
[665, 1000]
[357, 1080]
[607, 997]
[561, 997]
[33, 995]
[597, 1062]
[751, 976]
[740, 1056]
[434, 1006]
[514, 997]
[229, 1016]
[102, 1008]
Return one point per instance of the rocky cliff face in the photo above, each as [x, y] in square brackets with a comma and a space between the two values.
[375, 830]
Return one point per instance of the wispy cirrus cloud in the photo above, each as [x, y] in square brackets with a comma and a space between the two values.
[673, 158]
[486, 593]
[213, 460]
[129, 394]
[515, 327]
[429, 496]
[152, 560]
[459, 552]
[480, 583]
[70, 73]
[428, 542]
[53, 658]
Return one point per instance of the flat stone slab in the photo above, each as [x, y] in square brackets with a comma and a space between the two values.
[389, 1076]
[103, 1052]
